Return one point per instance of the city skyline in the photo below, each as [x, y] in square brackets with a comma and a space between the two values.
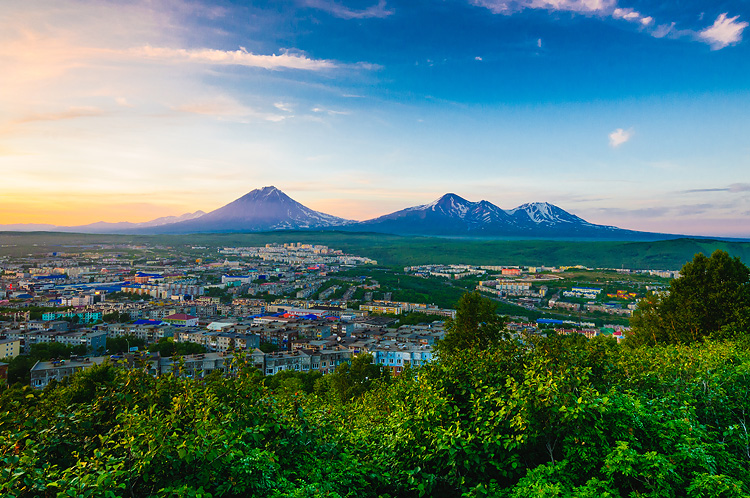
[623, 113]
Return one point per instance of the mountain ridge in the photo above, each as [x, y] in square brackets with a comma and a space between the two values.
[269, 209]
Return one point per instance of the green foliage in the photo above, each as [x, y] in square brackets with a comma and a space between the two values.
[557, 416]
[123, 343]
[224, 296]
[116, 317]
[268, 347]
[167, 347]
[415, 318]
[476, 325]
[45, 351]
[711, 298]
[351, 381]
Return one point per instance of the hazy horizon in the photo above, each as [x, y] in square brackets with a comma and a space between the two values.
[630, 114]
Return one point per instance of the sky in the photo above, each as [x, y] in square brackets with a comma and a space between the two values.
[625, 113]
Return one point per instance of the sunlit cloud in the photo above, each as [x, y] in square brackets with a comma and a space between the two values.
[619, 137]
[239, 57]
[723, 32]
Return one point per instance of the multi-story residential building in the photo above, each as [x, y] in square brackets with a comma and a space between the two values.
[391, 309]
[83, 316]
[10, 348]
[181, 320]
[398, 356]
[94, 340]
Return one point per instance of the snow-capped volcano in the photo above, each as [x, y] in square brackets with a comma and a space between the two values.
[263, 209]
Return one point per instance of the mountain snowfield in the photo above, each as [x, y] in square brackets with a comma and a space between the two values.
[270, 209]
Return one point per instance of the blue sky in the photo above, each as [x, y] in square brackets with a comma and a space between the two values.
[625, 113]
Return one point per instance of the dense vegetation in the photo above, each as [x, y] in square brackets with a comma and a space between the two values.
[710, 299]
[558, 416]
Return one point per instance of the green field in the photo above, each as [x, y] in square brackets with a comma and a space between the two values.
[396, 251]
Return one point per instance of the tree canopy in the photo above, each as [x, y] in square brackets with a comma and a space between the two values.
[476, 325]
[710, 298]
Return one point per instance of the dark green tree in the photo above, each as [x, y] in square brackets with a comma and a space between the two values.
[476, 325]
[711, 298]
[168, 347]
[350, 381]
[121, 344]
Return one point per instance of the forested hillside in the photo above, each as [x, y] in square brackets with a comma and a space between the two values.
[562, 417]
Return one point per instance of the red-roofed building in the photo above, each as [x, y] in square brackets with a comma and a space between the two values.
[182, 320]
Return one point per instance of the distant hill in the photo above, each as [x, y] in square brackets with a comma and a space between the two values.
[102, 226]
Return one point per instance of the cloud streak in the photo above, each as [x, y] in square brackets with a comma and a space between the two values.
[239, 57]
[378, 10]
[513, 6]
[734, 188]
[71, 113]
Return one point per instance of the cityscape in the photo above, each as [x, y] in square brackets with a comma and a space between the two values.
[374, 249]
[303, 303]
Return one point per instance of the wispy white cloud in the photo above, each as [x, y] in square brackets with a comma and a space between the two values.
[283, 106]
[632, 16]
[330, 112]
[226, 108]
[378, 10]
[619, 137]
[663, 30]
[723, 32]
[512, 6]
[239, 57]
